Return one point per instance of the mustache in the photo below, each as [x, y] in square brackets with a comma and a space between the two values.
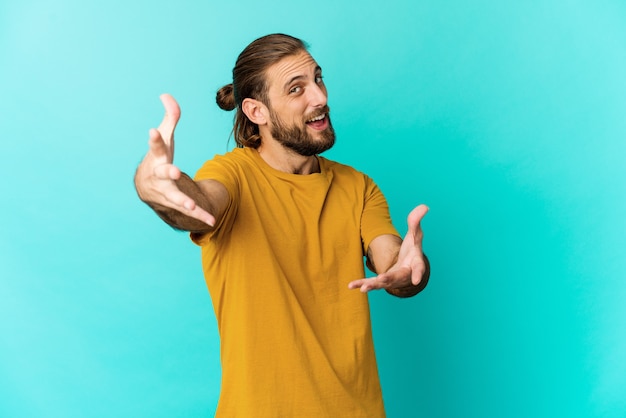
[318, 112]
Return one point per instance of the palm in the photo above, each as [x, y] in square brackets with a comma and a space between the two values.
[157, 176]
[410, 267]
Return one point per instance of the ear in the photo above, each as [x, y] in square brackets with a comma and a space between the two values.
[255, 110]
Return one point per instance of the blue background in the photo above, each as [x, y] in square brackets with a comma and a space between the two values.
[506, 118]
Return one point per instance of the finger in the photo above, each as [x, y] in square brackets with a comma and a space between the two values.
[170, 119]
[157, 145]
[420, 268]
[355, 284]
[203, 216]
[414, 224]
[416, 216]
[187, 206]
[417, 272]
[191, 209]
[166, 172]
[373, 284]
[365, 285]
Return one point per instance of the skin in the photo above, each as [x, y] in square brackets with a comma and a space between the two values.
[296, 94]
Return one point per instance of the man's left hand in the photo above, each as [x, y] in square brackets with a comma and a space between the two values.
[409, 274]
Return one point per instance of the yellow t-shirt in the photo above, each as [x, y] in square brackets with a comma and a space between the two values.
[295, 341]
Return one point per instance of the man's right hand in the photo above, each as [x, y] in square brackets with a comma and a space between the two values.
[157, 176]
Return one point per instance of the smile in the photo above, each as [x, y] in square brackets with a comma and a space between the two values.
[317, 118]
[318, 123]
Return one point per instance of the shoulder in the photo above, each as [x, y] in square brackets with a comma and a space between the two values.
[226, 164]
[234, 156]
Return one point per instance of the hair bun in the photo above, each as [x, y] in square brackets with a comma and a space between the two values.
[225, 97]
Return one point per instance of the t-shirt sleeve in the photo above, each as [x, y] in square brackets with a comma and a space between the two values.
[375, 220]
[225, 172]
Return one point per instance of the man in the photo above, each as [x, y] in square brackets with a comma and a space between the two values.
[283, 233]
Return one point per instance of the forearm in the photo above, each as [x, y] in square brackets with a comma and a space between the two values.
[383, 252]
[209, 195]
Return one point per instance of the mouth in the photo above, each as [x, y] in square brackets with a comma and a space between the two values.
[319, 122]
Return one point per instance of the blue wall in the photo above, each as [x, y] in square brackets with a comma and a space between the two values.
[506, 118]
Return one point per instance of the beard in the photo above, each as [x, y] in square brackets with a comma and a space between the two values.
[298, 139]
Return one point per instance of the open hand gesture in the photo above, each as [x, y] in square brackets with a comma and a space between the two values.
[156, 176]
[409, 274]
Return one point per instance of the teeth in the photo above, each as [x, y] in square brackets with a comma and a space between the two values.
[320, 117]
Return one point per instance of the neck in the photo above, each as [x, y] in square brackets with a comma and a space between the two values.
[283, 159]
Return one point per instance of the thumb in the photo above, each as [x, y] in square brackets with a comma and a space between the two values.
[170, 119]
[416, 216]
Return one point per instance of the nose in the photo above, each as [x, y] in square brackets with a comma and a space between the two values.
[318, 96]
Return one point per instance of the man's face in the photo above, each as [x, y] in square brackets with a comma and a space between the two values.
[299, 115]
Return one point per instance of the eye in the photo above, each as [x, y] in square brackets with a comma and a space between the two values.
[295, 89]
[319, 79]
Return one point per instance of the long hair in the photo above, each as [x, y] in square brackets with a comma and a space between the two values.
[250, 81]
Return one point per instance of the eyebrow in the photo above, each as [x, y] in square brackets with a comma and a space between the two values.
[318, 69]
